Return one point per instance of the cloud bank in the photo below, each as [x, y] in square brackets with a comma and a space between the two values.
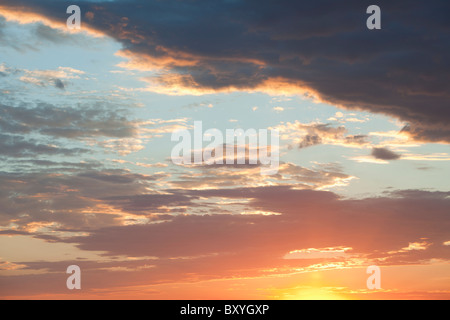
[321, 47]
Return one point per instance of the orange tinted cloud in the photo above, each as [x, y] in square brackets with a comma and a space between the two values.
[184, 84]
[26, 15]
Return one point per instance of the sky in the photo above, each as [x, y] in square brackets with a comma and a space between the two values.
[87, 179]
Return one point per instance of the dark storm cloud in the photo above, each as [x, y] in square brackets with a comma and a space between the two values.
[385, 154]
[428, 133]
[400, 70]
[120, 177]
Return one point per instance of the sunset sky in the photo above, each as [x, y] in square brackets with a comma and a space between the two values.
[87, 179]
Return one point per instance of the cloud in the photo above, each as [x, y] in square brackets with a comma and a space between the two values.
[311, 134]
[21, 12]
[59, 84]
[278, 109]
[385, 154]
[123, 146]
[320, 253]
[17, 146]
[42, 78]
[6, 70]
[151, 203]
[398, 70]
[309, 219]
[314, 230]
[219, 222]
[67, 122]
[101, 123]
[74, 199]
[339, 117]
[50, 34]
[6, 265]
[107, 205]
[425, 133]
[248, 175]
